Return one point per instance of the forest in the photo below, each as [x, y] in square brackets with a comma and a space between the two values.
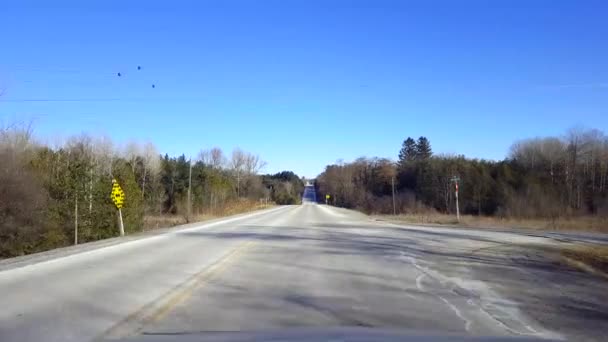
[55, 196]
[544, 177]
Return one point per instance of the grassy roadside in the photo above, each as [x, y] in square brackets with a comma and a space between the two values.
[166, 221]
[583, 224]
[591, 258]
[588, 257]
[159, 225]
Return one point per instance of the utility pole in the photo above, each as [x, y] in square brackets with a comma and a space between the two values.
[238, 183]
[394, 207]
[76, 219]
[190, 191]
[270, 189]
[456, 179]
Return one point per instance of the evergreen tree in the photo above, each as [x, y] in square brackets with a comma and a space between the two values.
[423, 149]
[408, 151]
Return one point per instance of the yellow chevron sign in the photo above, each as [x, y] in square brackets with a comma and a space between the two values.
[118, 196]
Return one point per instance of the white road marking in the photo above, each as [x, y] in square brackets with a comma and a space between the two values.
[467, 323]
[419, 285]
[419, 282]
[510, 311]
[329, 211]
[129, 244]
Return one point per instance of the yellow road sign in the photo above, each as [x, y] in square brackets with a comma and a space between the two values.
[326, 196]
[118, 196]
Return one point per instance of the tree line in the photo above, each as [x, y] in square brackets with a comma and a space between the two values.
[47, 193]
[546, 177]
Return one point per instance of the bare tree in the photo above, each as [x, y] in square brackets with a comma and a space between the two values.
[204, 156]
[151, 161]
[213, 157]
[244, 165]
[17, 137]
[554, 152]
[537, 153]
[218, 160]
[22, 206]
[237, 162]
[104, 154]
[253, 164]
[603, 165]
[131, 152]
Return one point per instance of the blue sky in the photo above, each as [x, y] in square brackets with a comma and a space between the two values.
[304, 83]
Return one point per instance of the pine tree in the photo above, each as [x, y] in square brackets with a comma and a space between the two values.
[423, 149]
[408, 151]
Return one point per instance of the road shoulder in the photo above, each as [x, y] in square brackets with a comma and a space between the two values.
[57, 253]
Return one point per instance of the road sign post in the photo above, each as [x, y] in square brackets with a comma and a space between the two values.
[327, 199]
[120, 223]
[118, 197]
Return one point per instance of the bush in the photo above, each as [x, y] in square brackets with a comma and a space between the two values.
[22, 208]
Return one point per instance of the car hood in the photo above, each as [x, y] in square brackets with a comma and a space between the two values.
[308, 334]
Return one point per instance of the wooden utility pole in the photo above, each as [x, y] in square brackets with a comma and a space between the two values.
[76, 219]
[457, 206]
[456, 179]
[394, 206]
[238, 183]
[190, 191]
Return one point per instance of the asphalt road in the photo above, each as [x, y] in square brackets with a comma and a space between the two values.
[304, 266]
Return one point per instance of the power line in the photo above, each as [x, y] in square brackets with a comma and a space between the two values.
[72, 70]
[62, 100]
[104, 100]
[118, 73]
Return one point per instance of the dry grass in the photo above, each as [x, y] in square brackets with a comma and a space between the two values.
[233, 208]
[595, 256]
[582, 223]
[592, 258]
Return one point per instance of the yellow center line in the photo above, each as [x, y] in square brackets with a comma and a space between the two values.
[199, 282]
[160, 308]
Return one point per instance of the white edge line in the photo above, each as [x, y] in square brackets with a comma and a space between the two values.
[138, 241]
